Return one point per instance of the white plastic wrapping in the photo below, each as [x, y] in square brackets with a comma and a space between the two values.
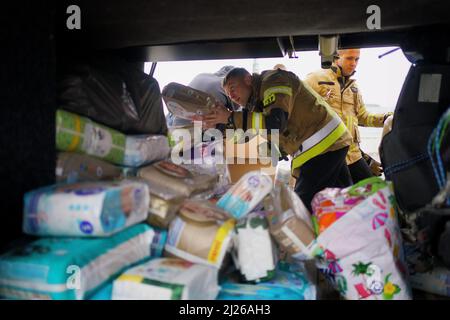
[167, 279]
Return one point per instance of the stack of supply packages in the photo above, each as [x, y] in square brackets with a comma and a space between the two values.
[180, 202]
[218, 246]
[199, 235]
[261, 269]
[358, 244]
[92, 140]
[92, 223]
[110, 121]
[90, 232]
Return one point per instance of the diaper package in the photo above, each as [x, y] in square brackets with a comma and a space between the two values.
[167, 279]
[205, 208]
[246, 194]
[74, 167]
[74, 268]
[162, 211]
[88, 209]
[199, 239]
[180, 180]
[186, 102]
[80, 134]
[290, 282]
[289, 221]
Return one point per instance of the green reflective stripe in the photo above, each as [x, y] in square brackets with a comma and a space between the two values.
[320, 147]
[278, 89]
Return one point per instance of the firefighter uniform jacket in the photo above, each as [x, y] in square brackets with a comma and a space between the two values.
[343, 95]
[307, 126]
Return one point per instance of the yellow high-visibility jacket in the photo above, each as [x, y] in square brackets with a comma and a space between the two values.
[311, 127]
[343, 95]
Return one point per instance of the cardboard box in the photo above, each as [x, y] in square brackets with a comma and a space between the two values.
[243, 158]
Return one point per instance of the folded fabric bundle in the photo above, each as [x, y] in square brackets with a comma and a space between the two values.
[186, 102]
[255, 256]
[167, 279]
[180, 180]
[199, 239]
[74, 167]
[80, 134]
[246, 194]
[87, 209]
[290, 282]
[73, 268]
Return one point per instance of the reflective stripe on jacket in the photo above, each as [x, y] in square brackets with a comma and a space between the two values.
[312, 127]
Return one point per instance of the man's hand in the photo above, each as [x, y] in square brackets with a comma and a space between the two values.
[376, 167]
[219, 114]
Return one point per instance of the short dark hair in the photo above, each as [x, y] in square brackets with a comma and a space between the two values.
[223, 71]
[235, 73]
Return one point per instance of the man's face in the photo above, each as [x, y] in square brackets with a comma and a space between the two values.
[348, 60]
[239, 89]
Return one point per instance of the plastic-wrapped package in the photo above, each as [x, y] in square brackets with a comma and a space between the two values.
[199, 239]
[361, 254]
[114, 93]
[186, 102]
[87, 209]
[212, 157]
[255, 251]
[291, 282]
[331, 204]
[74, 167]
[289, 221]
[80, 134]
[180, 180]
[104, 292]
[203, 208]
[245, 195]
[167, 279]
[73, 268]
[164, 205]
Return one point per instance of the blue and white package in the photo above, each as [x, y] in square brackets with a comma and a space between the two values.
[88, 209]
[246, 194]
[290, 283]
[73, 268]
[156, 251]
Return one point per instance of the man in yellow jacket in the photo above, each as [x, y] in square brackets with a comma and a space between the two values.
[308, 128]
[342, 94]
